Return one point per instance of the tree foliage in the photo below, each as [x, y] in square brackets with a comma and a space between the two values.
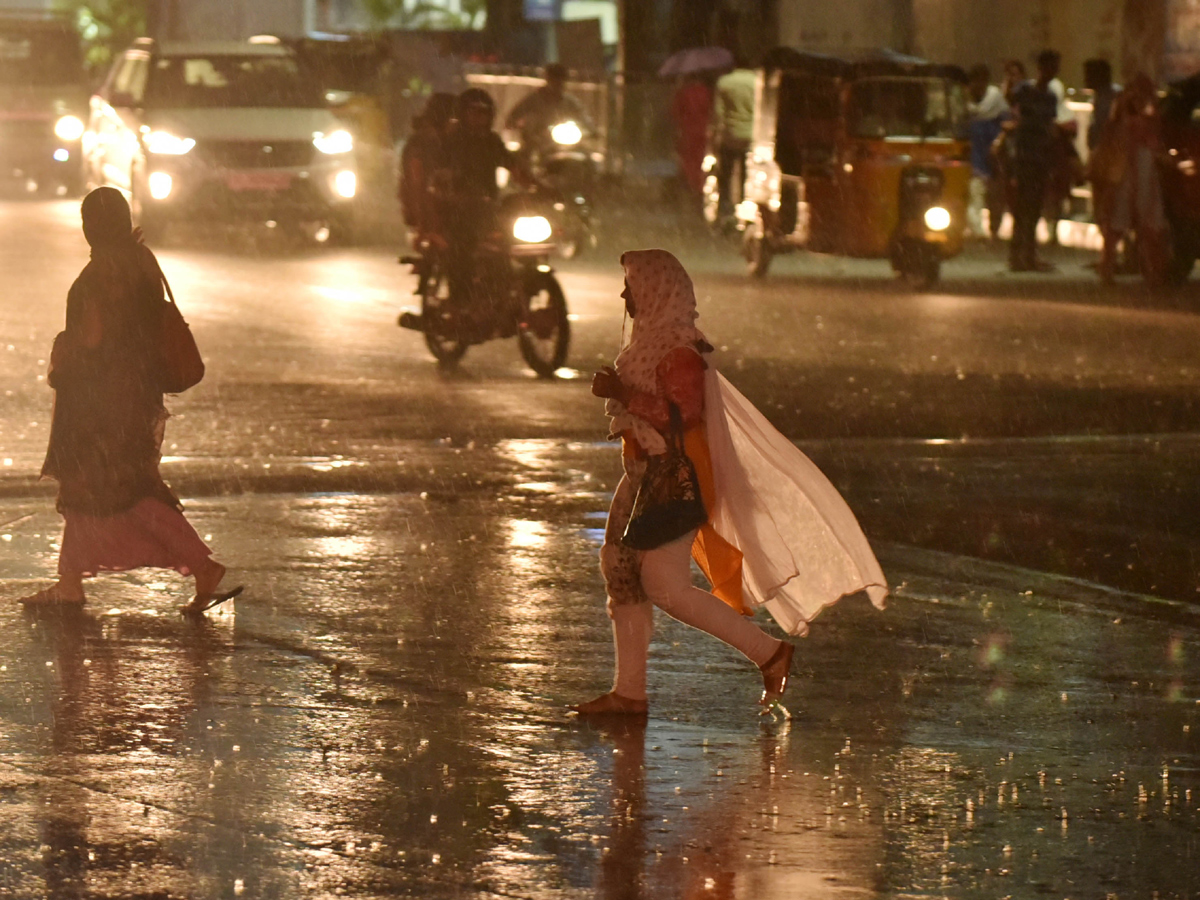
[107, 26]
[424, 14]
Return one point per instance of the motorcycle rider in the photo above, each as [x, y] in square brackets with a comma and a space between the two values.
[540, 110]
[465, 191]
[423, 154]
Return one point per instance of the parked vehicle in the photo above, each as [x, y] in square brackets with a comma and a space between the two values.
[43, 102]
[221, 131]
[860, 157]
[1180, 178]
[507, 289]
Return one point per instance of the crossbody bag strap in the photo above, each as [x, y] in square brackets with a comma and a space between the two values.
[676, 436]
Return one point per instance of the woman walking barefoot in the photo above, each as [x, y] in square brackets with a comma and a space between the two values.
[778, 534]
[107, 429]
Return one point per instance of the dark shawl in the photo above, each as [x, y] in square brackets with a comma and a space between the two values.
[107, 430]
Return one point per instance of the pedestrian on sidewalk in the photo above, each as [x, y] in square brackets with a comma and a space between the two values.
[106, 432]
[1124, 170]
[1036, 107]
[733, 129]
[690, 109]
[777, 533]
[988, 110]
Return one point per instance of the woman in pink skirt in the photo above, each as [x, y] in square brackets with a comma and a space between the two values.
[107, 430]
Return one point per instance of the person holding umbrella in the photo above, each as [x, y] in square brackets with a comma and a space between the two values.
[691, 110]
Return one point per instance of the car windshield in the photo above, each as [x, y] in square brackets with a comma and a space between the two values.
[39, 57]
[914, 108]
[230, 81]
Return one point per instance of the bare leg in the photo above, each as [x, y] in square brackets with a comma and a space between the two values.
[631, 616]
[208, 577]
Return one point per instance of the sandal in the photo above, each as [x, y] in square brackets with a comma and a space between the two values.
[203, 603]
[775, 673]
[611, 704]
[51, 597]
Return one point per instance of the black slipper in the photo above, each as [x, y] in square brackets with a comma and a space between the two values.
[202, 604]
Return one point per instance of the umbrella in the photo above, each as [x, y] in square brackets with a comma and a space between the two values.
[696, 59]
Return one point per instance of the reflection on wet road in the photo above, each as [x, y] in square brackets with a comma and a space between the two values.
[382, 713]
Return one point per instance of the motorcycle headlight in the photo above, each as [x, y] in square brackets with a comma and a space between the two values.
[340, 141]
[166, 144]
[532, 229]
[160, 184]
[69, 128]
[937, 218]
[566, 133]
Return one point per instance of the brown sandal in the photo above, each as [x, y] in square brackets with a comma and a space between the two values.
[775, 673]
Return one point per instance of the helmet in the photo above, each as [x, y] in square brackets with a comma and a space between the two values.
[475, 98]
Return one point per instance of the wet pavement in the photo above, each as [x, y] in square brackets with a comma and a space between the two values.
[382, 714]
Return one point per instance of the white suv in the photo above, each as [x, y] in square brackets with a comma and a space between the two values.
[221, 131]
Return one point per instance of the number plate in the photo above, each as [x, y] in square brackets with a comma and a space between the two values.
[258, 181]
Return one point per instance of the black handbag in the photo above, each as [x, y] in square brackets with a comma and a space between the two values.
[668, 503]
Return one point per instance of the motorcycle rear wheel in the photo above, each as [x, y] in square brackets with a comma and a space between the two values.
[544, 331]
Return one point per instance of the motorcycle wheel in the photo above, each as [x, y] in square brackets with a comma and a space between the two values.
[544, 331]
[441, 331]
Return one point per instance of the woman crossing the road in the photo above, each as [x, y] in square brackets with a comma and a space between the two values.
[107, 428]
[777, 533]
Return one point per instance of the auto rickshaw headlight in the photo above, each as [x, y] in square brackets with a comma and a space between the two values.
[937, 218]
[532, 229]
[566, 133]
[69, 128]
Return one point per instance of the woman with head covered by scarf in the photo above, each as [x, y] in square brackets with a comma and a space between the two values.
[107, 429]
[778, 534]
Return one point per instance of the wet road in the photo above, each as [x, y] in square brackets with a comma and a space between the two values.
[381, 712]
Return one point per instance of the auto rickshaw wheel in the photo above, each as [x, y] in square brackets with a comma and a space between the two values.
[919, 264]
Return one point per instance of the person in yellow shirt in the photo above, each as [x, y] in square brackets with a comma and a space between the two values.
[732, 131]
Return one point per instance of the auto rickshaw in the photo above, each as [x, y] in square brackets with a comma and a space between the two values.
[1181, 174]
[861, 157]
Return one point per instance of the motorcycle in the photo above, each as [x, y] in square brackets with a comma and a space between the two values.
[507, 289]
[566, 163]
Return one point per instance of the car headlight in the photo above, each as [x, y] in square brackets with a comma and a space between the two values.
[345, 184]
[69, 128]
[532, 229]
[937, 218]
[166, 144]
[340, 141]
[566, 133]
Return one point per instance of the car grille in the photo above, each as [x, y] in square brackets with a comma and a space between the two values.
[257, 154]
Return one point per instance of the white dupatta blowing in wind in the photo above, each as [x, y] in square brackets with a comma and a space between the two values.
[802, 548]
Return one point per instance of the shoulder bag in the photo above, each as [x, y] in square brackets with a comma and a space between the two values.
[668, 503]
[182, 366]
